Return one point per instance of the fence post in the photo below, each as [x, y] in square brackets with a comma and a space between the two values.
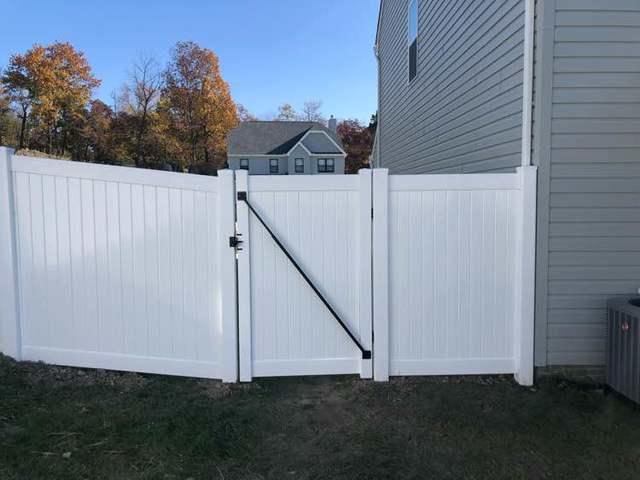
[227, 276]
[525, 276]
[10, 342]
[380, 255]
[244, 281]
[364, 271]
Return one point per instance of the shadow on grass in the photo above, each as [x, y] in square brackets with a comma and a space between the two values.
[58, 422]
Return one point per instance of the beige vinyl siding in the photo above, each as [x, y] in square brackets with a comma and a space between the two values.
[594, 176]
[463, 111]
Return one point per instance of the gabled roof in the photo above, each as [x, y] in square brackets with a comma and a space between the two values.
[318, 142]
[278, 138]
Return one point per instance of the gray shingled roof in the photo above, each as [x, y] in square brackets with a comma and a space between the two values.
[273, 138]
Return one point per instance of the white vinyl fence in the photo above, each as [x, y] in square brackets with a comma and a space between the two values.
[117, 267]
[377, 275]
[453, 273]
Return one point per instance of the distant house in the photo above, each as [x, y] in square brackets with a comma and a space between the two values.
[285, 148]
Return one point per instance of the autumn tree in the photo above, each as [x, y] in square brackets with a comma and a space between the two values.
[197, 105]
[286, 112]
[358, 142]
[52, 85]
[7, 120]
[98, 133]
[19, 89]
[143, 94]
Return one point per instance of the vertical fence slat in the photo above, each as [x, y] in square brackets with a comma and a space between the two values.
[381, 274]
[9, 313]
[364, 271]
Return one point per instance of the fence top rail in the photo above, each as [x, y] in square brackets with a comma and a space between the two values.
[303, 183]
[444, 182]
[113, 173]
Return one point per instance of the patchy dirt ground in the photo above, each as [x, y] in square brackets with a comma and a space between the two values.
[66, 423]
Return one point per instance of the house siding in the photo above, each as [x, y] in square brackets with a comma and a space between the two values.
[463, 111]
[589, 190]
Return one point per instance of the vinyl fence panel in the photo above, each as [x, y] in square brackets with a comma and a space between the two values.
[120, 268]
[453, 266]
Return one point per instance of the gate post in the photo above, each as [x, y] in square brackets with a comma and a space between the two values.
[365, 294]
[10, 342]
[380, 255]
[227, 276]
[244, 281]
[525, 276]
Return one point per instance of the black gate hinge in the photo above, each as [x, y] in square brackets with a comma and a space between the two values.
[235, 242]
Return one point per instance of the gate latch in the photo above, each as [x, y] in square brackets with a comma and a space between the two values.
[235, 242]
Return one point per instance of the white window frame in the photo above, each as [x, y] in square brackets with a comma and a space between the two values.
[244, 164]
[296, 165]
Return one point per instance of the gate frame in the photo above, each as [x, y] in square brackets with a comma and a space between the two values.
[365, 263]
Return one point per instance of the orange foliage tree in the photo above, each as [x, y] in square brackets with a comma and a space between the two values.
[56, 81]
[196, 108]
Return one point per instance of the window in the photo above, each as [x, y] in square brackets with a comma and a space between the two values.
[331, 165]
[412, 40]
[244, 164]
[273, 165]
[299, 165]
[326, 165]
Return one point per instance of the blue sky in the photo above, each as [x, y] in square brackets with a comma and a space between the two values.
[271, 51]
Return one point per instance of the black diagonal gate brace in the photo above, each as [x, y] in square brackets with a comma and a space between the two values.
[366, 354]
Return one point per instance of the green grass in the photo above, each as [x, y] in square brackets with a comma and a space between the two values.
[65, 423]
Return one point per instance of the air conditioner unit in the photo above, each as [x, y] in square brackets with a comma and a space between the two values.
[623, 347]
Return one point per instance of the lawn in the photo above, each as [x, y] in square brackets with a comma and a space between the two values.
[65, 423]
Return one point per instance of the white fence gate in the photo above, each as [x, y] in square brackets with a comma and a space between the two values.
[129, 269]
[324, 222]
